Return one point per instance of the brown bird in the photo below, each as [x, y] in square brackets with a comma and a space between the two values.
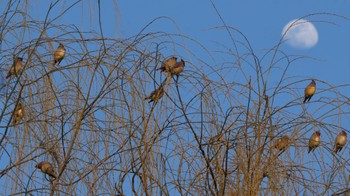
[340, 141]
[310, 91]
[282, 143]
[177, 68]
[18, 113]
[16, 67]
[59, 54]
[156, 95]
[46, 168]
[167, 64]
[314, 141]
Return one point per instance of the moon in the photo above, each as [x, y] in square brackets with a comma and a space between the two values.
[300, 33]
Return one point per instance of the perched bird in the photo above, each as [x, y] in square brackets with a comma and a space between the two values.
[46, 168]
[167, 64]
[314, 141]
[59, 54]
[177, 68]
[16, 67]
[156, 95]
[282, 143]
[340, 141]
[18, 113]
[310, 91]
[172, 66]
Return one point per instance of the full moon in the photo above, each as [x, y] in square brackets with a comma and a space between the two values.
[300, 34]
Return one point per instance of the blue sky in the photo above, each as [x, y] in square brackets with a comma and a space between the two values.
[262, 23]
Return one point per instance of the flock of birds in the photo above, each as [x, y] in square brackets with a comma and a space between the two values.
[170, 66]
[173, 68]
[315, 138]
[45, 167]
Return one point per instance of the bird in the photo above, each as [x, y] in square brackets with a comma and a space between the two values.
[16, 67]
[340, 141]
[18, 113]
[156, 94]
[310, 91]
[173, 67]
[46, 168]
[167, 64]
[177, 68]
[282, 143]
[314, 141]
[59, 54]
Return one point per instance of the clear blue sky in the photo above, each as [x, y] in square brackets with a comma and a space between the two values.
[261, 21]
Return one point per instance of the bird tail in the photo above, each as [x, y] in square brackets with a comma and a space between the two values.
[281, 152]
[305, 99]
[15, 121]
[336, 150]
[51, 173]
[161, 68]
[149, 100]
